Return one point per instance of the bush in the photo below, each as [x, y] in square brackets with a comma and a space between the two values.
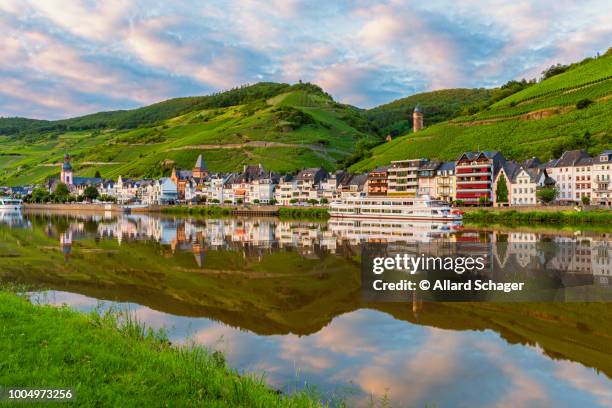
[586, 200]
[583, 103]
[547, 194]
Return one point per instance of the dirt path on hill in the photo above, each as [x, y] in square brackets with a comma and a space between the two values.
[320, 151]
[88, 163]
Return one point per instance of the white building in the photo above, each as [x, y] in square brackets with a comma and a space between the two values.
[522, 183]
[572, 174]
[601, 174]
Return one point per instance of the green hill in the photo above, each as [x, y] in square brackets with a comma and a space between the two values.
[395, 117]
[284, 127]
[566, 111]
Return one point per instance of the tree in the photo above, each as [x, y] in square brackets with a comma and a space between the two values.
[273, 202]
[256, 201]
[483, 200]
[586, 200]
[583, 103]
[324, 201]
[547, 194]
[91, 193]
[313, 201]
[293, 201]
[39, 195]
[61, 191]
[501, 192]
[98, 175]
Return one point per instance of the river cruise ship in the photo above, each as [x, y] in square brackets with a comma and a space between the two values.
[10, 204]
[401, 208]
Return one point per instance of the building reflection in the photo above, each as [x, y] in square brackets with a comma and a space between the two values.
[574, 254]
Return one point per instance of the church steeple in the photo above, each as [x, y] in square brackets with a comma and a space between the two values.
[66, 173]
[199, 170]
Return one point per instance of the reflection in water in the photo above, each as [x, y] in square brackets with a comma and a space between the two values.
[282, 297]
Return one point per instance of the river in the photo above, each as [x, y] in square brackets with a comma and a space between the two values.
[282, 299]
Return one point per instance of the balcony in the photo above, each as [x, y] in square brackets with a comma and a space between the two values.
[473, 165]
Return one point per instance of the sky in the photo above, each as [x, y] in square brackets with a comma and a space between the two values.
[62, 59]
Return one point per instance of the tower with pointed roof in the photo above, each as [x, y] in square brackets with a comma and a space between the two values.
[199, 170]
[417, 119]
[66, 173]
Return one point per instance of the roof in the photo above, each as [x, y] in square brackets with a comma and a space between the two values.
[200, 163]
[315, 174]
[548, 164]
[430, 165]
[531, 163]
[80, 181]
[449, 165]
[250, 173]
[358, 180]
[607, 153]
[474, 155]
[184, 174]
[571, 158]
[511, 169]
[380, 169]
[417, 109]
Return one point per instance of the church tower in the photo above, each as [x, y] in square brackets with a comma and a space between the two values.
[417, 119]
[66, 173]
[199, 170]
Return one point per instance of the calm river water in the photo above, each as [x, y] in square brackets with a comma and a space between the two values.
[282, 298]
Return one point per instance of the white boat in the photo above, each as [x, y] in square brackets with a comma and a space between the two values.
[10, 204]
[401, 208]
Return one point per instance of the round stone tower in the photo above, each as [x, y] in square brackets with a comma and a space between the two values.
[417, 119]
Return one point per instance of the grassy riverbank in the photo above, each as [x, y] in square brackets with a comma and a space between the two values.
[110, 360]
[320, 213]
[569, 217]
[198, 210]
[303, 212]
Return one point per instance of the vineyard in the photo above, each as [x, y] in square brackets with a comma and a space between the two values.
[592, 72]
[515, 125]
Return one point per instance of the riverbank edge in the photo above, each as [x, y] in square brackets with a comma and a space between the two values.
[110, 358]
[566, 217]
[551, 215]
[321, 213]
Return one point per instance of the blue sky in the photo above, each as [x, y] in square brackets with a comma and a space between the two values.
[66, 58]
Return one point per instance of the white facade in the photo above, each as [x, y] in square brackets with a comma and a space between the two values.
[602, 179]
[261, 191]
[283, 194]
[523, 190]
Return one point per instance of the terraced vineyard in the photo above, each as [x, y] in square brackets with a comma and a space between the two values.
[289, 128]
[541, 120]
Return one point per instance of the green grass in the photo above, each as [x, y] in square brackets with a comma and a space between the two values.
[313, 213]
[540, 217]
[112, 360]
[301, 212]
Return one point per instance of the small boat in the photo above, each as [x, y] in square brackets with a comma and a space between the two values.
[401, 208]
[10, 204]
